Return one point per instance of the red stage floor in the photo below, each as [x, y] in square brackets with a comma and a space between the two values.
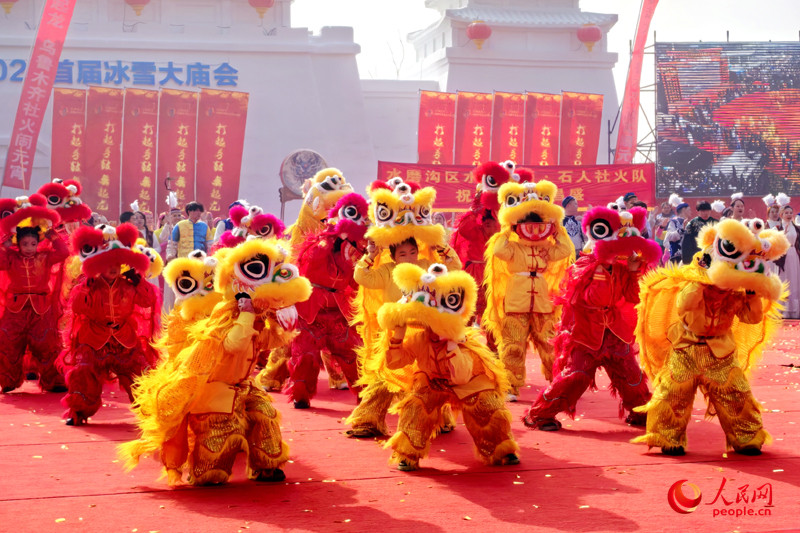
[586, 477]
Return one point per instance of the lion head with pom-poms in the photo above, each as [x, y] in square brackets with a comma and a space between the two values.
[156, 262]
[105, 247]
[490, 176]
[324, 190]
[65, 197]
[251, 222]
[351, 217]
[30, 211]
[615, 235]
[257, 268]
[191, 279]
[529, 210]
[403, 210]
[437, 299]
[736, 258]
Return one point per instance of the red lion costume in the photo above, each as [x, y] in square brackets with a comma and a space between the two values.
[328, 260]
[598, 319]
[106, 339]
[250, 221]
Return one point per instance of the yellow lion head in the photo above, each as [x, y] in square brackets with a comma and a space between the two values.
[324, 190]
[737, 259]
[156, 262]
[529, 209]
[402, 210]
[440, 300]
[257, 268]
[192, 277]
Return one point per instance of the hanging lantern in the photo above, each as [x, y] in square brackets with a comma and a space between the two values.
[137, 5]
[479, 31]
[261, 6]
[7, 5]
[589, 34]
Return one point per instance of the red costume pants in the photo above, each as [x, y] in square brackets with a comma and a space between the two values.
[27, 329]
[330, 332]
[574, 372]
[87, 369]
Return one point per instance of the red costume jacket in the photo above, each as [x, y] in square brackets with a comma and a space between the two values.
[595, 298]
[107, 311]
[469, 241]
[29, 278]
[331, 276]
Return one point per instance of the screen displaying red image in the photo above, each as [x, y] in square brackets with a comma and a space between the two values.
[728, 118]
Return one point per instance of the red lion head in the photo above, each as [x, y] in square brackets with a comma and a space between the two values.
[618, 235]
[64, 197]
[105, 246]
[251, 222]
[34, 207]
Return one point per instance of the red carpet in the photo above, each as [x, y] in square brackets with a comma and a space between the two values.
[583, 478]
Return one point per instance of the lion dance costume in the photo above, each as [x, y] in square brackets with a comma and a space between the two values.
[105, 334]
[705, 325]
[399, 211]
[31, 293]
[451, 365]
[328, 260]
[248, 222]
[321, 193]
[598, 318]
[199, 410]
[525, 261]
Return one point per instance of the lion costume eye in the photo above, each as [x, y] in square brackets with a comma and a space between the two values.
[490, 181]
[266, 230]
[511, 201]
[424, 211]
[453, 302]
[285, 273]
[53, 200]
[186, 284]
[255, 269]
[727, 249]
[87, 250]
[5, 214]
[600, 229]
[350, 212]
[383, 213]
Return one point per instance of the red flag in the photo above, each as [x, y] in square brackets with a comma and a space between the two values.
[629, 116]
[581, 120]
[139, 149]
[220, 140]
[36, 89]
[103, 137]
[508, 125]
[67, 140]
[473, 128]
[436, 130]
[542, 122]
[177, 129]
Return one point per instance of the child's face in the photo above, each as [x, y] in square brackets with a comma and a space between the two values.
[406, 253]
[28, 245]
[111, 273]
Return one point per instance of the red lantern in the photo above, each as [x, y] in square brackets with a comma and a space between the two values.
[7, 5]
[261, 6]
[479, 31]
[589, 34]
[137, 5]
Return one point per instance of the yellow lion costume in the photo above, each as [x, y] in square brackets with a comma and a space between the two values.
[199, 410]
[427, 331]
[525, 262]
[320, 195]
[705, 325]
[400, 213]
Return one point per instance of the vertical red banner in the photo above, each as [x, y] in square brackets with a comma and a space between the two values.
[508, 126]
[68, 140]
[221, 121]
[629, 116]
[140, 132]
[177, 133]
[473, 128]
[103, 137]
[581, 121]
[542, 123]
[36, 89]
[436, 129]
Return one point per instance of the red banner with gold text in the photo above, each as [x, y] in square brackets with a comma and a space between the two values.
[221, 121]
[542, 122]
[103, 137]
[508, 125]
[589, 184]
[177, 129]
[68, 141]
[36, 89]
[139, 139]
[436, 128]
[473, 128]
[581, 120]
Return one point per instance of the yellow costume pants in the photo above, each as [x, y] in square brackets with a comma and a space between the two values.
[516, 331]
[214, 439]
[486, 416]
[726, 389]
